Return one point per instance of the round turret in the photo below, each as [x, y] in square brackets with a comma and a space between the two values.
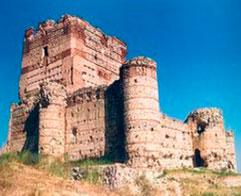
[52, 119]
[141, 109]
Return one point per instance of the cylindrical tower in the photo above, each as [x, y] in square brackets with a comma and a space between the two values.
[52, 120]
[141, 111]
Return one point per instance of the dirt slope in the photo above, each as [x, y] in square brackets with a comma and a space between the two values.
[17, 180]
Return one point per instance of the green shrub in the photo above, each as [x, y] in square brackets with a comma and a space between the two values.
[7, 157]
[209, 194]
[28, 158]
[58, 169]
[92, 175]
[225, 172]
[92, 162]
[25, 157]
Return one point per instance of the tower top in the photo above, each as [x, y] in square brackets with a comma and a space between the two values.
[141, 61]
[209, 116]
[66, 20]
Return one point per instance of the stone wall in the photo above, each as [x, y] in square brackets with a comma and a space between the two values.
[69, 51]
[175, 143]
[85, 124]
[93, 124]
[230, 151]
[211, 143]
[23, 128]
[141, 112]
[52, 119]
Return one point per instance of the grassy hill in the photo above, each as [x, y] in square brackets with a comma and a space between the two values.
[27, 174]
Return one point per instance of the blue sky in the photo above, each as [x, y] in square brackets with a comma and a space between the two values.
[196, 43]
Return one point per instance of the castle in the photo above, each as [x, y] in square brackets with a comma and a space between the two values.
[79, 96]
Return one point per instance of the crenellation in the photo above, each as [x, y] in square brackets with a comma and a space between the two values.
[79, 96]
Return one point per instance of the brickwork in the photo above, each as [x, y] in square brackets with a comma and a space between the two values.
[210, 139]
[78, 96]
[85, 124]
[141, 111]
[72, 52]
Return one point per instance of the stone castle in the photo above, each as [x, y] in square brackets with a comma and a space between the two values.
[79, 96]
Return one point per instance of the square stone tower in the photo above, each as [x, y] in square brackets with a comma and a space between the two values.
[69, 51]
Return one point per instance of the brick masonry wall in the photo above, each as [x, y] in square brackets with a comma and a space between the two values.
[72, 52]
[141, 111]
[85, 124]
[175, 142]
[211, 139]
[23, 128]
[93, 124]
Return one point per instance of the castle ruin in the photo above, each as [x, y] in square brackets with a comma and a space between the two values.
[79, 96]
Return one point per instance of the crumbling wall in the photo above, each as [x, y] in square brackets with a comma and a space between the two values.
[23, 127]
[230, 151]
[52, 119]
[85, 124]
[210, 139]
[94, 124]
[175, 143]
[17, 134]
[114, 123]
[69, 51]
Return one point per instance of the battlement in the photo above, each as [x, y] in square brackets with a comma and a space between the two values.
[86, 95]
[50, 26]
[141, 61]
[207, 116]
[69, 51]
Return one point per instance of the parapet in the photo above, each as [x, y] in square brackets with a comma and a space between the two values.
[139, 66]
[140, 61]
[207, 116]
[66, 21]
[86, 95]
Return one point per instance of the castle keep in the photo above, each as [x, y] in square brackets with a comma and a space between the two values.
[79, 96]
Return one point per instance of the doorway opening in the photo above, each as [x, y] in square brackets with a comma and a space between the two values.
[198, 161]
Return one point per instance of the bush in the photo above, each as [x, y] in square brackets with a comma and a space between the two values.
[208, 194]
[225, 172]
[7, 157]
[92, 176]
[58, 169]
[92, 162]
[26, 158]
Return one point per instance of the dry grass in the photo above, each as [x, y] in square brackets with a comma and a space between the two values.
[204, 182]
[24, 174]
[19, 179]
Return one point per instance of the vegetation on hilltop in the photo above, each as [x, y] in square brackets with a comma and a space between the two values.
[29, 174]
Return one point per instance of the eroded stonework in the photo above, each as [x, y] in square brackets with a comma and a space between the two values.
[79, 96]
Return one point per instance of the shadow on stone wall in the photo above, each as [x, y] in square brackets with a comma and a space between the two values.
[114, 126]
[31, 128]
[198, 161]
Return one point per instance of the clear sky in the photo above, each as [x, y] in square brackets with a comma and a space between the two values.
[196, 43]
